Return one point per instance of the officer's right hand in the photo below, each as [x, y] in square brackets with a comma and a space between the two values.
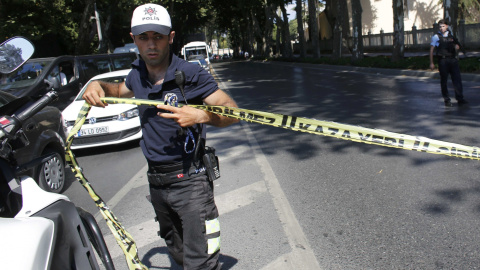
[93, 93]
[432, 66]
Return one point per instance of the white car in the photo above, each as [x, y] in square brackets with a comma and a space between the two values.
[201, 62]
[114, 124]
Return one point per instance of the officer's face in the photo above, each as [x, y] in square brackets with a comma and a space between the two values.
[154, 47]
[443, 27]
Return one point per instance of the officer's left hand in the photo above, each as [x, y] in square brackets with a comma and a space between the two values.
[185, 116]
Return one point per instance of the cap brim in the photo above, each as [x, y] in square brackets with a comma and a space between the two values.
[161, 29]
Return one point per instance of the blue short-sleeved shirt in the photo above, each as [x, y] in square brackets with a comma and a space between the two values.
[436, 40]
[160, 142]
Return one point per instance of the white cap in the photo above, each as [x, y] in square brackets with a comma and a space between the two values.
[151, 17]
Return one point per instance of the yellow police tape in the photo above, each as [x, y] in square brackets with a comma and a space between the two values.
[326, 128]
[124, 239]
[331, 129]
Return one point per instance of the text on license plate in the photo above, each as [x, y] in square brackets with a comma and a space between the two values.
[92, 131]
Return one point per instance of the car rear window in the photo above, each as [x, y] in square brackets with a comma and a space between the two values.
[124, 62]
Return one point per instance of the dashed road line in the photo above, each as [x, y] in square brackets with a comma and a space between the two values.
[301, 256]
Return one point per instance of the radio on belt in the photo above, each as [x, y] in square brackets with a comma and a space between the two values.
[210, 160]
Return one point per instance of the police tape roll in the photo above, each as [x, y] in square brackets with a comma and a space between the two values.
[124, 239]
[331, 129]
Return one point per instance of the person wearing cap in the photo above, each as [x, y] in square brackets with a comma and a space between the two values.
[180, 191]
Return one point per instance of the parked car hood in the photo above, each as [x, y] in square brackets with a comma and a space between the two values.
[71, 111]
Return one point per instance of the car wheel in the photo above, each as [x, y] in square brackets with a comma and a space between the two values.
[51, 176]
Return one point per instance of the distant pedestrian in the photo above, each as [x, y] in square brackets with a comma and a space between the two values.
[447, 45]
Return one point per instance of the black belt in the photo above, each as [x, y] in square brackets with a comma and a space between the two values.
[172, 174]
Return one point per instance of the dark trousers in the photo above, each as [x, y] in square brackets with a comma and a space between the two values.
[449, 66]
[188, 219]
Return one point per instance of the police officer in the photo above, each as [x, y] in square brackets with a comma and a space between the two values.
[181, 192]
[447, 45]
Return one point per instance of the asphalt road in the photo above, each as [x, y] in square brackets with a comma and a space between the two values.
[290, 200]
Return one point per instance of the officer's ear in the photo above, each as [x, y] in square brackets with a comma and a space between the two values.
[170, 37]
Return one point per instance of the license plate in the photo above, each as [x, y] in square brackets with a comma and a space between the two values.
[92, 131]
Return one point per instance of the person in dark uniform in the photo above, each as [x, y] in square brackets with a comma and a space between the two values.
[180, 190]
[447, 46]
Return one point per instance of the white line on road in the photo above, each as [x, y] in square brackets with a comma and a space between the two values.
[302, 256]
[226, 203]
[136, 181]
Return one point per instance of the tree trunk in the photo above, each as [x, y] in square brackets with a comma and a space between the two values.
[278, 36]
[287, 42]
[258, 35]
[301, 33]
[83, 41]
[251, 38]
[314, 36]
[357, 50]
[345, 20]
[450, 13]
[267, 36]
[398, 31]
[338, 30]
[106, 45]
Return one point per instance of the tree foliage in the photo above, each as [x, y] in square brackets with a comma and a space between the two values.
[470, 11]
[260, 27]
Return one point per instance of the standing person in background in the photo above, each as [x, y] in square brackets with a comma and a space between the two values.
[180, 190]
[447, 45]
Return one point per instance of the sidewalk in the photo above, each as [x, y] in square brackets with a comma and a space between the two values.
[473, 77]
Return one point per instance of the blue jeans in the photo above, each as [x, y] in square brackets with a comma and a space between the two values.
[450, 66]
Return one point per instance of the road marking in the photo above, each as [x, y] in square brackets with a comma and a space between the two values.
[231, 152]
[137, 180]
[240, 197]
[302, 256]
[144, 235]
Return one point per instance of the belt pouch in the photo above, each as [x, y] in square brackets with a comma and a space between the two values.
[212, 166]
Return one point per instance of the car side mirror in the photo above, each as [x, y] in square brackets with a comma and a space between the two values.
[14, 52]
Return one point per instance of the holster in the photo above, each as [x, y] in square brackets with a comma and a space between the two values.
[210, 161]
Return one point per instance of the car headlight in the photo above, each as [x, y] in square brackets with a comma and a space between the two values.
[64, 124]
[128, 114]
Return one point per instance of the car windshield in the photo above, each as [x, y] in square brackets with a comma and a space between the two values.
[116, 79]
[24, 76]
[195, 57]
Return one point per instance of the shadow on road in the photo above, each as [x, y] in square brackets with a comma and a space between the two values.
[406, 105]
[228, 262]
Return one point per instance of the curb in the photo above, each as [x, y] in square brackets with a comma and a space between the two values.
[471, 77]
[414, 73]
